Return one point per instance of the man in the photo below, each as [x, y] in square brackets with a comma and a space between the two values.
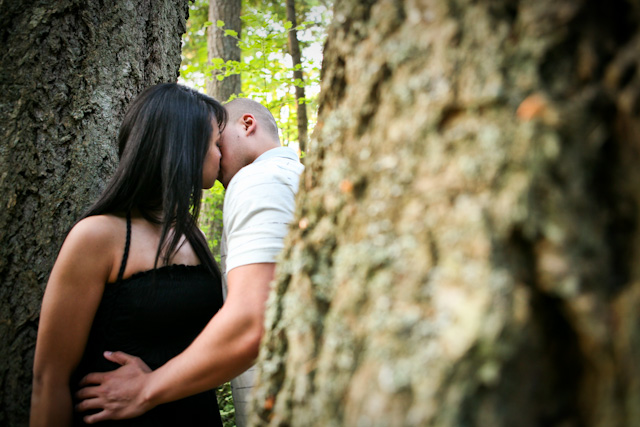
[261, 179]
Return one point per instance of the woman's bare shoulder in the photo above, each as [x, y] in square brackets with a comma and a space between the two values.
[90, 251]
[99, 230]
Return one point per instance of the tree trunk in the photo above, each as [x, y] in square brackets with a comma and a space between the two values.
[465, 246]
[225, 47]
[69, 70]
[294, 50]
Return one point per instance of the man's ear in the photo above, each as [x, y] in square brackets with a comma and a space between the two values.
[249, 123]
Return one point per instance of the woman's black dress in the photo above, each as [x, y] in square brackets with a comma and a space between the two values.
[154, 315]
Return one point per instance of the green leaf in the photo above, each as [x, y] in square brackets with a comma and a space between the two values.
[288, 25]
[207, 24]
[231, 33]
[219, 23]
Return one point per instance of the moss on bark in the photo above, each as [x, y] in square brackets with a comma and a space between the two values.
[467, 223]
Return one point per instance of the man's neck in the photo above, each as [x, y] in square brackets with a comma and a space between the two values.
[264, 149]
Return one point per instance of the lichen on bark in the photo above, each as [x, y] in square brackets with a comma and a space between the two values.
[466, 224]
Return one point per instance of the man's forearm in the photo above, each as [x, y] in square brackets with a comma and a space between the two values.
[226, 347]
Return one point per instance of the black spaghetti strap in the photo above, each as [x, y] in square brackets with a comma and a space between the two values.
[125, 255]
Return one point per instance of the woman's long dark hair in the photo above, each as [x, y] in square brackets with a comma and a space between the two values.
[163, 141]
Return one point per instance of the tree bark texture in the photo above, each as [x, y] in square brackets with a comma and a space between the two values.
[225, 47]
[69, 70]
[294, 50]
[466, 241]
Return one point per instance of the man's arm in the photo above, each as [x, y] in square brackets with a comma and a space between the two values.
[226, 347]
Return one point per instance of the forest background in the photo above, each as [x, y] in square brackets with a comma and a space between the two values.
[265, 69]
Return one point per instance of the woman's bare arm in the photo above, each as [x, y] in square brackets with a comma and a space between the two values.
[71, 299]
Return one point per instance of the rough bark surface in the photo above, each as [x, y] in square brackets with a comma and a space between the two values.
[466, 241]
[294, 51]
[225, 47]
[69, 69]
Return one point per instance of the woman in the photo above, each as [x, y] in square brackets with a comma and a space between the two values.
[135, 273]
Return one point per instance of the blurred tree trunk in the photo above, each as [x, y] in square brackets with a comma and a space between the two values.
[225, 47]
[294, 51]
[466, 243]
[69, 69]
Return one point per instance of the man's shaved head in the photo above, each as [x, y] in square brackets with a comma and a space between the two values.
[240, 106]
